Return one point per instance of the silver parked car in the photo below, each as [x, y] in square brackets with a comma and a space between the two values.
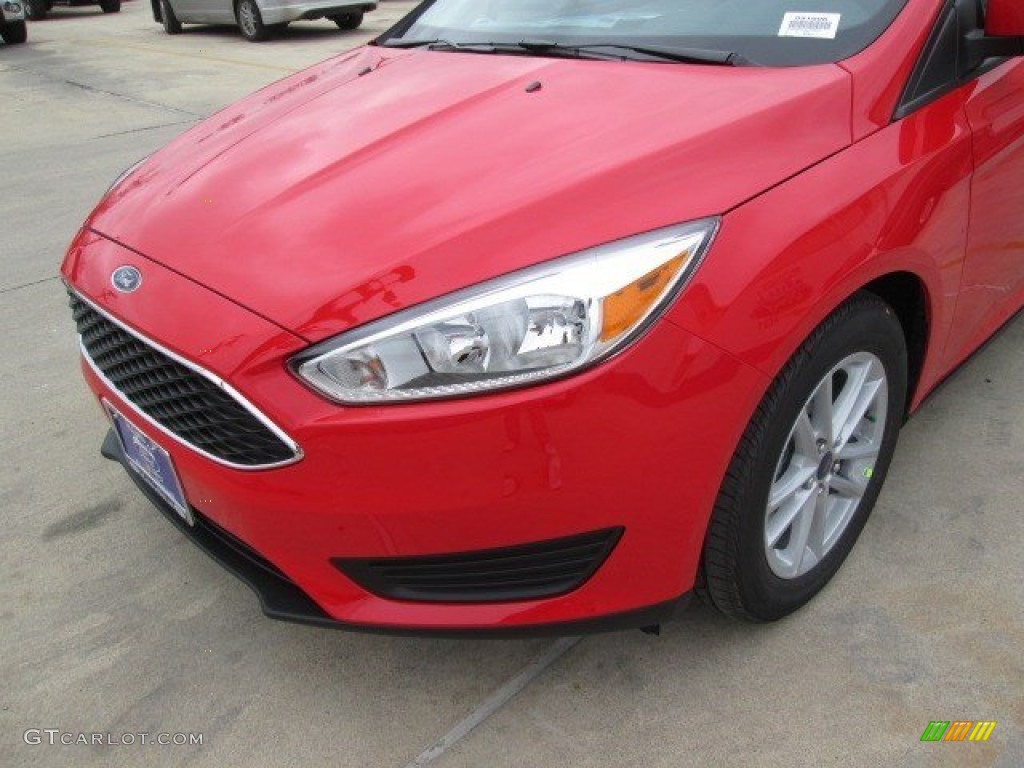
[257, 18]
[38, 9]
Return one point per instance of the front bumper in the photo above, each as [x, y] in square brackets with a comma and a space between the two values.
[639, 443]
[280, 598]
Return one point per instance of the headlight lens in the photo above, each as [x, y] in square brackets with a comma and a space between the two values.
[529, 326]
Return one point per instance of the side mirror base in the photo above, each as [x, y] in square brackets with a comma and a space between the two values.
[980, 47]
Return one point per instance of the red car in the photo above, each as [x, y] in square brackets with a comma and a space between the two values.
[542, 316]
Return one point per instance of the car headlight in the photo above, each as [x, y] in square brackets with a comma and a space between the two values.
[529, 326]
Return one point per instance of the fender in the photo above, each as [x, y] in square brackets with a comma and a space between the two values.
[785, 260]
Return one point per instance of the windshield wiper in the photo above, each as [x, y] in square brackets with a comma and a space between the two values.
[686, 55]
[443, 45]
[603, 51]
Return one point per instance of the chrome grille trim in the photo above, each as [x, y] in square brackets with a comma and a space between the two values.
[234, 394]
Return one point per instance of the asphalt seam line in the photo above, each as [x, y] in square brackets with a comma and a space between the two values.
[193, 55]
[13, 288]
[94, 89]
[146, 128]
[495, 702]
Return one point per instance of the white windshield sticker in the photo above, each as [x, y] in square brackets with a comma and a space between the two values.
[822, 25]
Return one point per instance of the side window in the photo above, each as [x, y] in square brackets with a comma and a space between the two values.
[950, 57]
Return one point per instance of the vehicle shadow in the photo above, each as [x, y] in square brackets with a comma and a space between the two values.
[299, 31]
[57, 13]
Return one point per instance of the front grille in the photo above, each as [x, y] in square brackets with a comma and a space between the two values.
[185, 403]
[526, 572]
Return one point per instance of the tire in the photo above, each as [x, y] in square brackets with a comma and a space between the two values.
[35, 9]
[250, 21]
[110, 6]
[753, 566]
[167, 17]
[350, 20]
[14, 32]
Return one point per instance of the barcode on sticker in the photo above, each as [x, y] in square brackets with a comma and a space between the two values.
[822, 25]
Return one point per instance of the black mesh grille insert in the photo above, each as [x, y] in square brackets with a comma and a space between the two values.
[526, 572]
[179, 399]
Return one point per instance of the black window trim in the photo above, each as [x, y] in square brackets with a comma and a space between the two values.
[954, 18]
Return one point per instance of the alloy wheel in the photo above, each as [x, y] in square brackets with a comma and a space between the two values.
[247, 18]
[826, 465]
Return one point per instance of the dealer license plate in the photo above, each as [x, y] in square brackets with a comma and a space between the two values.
[152, 462]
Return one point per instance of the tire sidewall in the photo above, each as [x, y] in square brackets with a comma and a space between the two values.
[168, 18]
[15, 32]
[871, 326]
[348, 21]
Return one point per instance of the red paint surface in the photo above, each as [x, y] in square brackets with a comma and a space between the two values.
[329, 200]
[1005, 17]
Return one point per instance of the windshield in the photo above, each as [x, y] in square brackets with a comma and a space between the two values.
[768, 32]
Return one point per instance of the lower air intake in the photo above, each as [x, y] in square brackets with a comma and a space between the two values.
[525, 572]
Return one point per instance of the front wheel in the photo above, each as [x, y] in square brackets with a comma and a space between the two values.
[809, 467]
[14, 32]
[250, 21]
[350, 20]
[110, 6]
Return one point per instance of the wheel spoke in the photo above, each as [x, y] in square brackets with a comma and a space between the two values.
[851, 488]
[811, 552]
[854, 410]
[862, 449]
[821, 403]
[791, 482]
[840, 511]
[801, 532]
[805, 440]
[856, 376]
[780, 521]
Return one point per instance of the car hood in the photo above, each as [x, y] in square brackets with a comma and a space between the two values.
[380, 179]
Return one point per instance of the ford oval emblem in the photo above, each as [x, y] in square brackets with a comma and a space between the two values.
[126, 279]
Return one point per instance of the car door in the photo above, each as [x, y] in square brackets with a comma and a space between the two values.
[992, 286]
[218, 11]
[185, 10]
[207, 11]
